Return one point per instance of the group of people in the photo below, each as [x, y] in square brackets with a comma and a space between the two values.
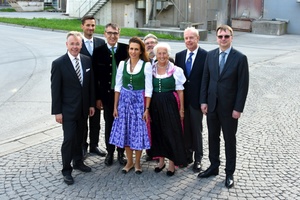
[149, 100]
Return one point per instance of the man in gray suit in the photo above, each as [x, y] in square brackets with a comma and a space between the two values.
[224, 91]
[89, 43]
[73, 100]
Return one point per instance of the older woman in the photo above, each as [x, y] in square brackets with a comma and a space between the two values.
[133, 92]
[166, 111]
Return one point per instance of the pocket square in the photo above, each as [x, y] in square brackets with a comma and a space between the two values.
[87, 70]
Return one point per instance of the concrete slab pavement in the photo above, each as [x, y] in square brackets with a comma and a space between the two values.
[267, 145]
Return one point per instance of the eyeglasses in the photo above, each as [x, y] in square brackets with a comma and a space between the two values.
[223, 36]
[112, 33]
[152, 42]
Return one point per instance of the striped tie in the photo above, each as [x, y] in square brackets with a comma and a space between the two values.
[77, 69]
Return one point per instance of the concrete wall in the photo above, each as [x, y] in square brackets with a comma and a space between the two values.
[104, 16]
[284, 9]
[78, 8]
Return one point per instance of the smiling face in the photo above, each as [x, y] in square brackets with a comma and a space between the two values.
[74, 44]
[162, 56]
[191, 40]
[88, 28]
[134, 51]
[224, 39]
[112, 35]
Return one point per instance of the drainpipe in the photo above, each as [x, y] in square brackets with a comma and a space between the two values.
[154, 10]
[187, 11]
[236, 8]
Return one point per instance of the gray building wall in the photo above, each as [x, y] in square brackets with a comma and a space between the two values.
[284, 9]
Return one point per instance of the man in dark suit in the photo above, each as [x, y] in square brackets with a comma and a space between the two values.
[192, 111]
[105, 71]
[224, 90]
[89, 43]
[72, 91]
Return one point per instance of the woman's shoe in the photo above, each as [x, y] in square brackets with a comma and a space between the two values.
[125, 171]
[138, 171]
[170, 173]
[157, 169]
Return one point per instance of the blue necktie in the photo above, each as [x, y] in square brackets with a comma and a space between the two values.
[222, 62]
[188, 64]
[89, 46]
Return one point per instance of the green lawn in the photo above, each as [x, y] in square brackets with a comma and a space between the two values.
[74, 25]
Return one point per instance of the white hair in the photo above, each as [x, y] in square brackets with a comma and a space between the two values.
[162, 45]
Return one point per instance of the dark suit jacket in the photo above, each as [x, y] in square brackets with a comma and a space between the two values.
[102, 65]
[69, 98]
[230, 88]
[193, 83]
[96, 41]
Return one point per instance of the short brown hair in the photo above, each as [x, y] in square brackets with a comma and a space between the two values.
[224, 28]
[86, 17]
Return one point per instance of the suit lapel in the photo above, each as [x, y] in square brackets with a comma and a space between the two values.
[183, 62]
[83, 65]
[228, 61]
[69, 66]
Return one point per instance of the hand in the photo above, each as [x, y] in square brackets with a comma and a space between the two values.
[99, 105]
[92, 111]
[115, 113]
[236, 114]
[59, 118]
[181, 113]
[204, 108]
[146, 116]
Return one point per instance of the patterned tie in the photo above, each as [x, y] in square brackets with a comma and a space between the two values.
[90, 46]
[78, 71]
[188, 64]
[222, 62]
[114, 68]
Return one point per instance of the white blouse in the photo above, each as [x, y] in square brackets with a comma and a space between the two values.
[178, 76]
[137, 69]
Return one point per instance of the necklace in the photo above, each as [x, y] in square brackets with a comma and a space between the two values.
[161, 66]
[132, 67]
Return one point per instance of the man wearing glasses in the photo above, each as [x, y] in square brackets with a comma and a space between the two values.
[106, 59]
[223, 95]
[150, 41]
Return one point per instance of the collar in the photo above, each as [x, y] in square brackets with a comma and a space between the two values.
[227, 51]
[72, 57]
[109, 47]
[85, 39]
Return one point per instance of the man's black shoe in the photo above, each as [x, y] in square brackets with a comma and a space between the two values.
[229, 182]
[121, 159]
[68, 179]
[109, 159]
[82, 167]
[197, 167]
[98, 151]
[209, 172]
[84, 153]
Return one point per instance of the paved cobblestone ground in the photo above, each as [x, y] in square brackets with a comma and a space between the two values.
[268, 148]
[267, 166]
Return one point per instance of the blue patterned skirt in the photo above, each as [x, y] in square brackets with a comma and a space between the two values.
[129, 129]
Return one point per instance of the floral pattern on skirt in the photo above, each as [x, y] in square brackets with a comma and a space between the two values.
[129, 129]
